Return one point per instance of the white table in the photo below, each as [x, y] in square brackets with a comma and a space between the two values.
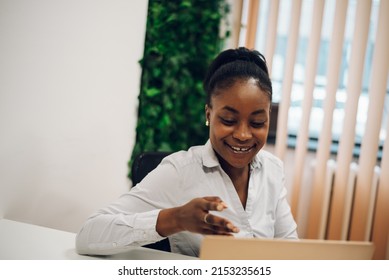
[21, 241]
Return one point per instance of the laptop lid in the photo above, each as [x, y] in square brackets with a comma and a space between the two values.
[233, 248]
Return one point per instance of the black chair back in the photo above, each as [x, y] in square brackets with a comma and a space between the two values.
[144, 163]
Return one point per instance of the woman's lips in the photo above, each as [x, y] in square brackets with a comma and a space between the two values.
[240, 149]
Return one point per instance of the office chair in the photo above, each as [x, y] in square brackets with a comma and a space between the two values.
[142, 165]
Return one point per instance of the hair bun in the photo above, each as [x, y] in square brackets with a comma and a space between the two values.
[237, 63]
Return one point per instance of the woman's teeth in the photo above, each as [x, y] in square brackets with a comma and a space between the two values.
[240, 150]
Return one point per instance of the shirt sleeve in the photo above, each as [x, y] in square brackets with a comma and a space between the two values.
[131, 220]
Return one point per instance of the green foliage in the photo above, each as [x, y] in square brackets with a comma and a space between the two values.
[182, 38]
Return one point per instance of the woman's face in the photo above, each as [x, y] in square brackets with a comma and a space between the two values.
[239, 123]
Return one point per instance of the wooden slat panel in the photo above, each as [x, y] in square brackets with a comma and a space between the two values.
[346, 144]
[272, 33]
[309, 85]
[377, 92]
[282, 121]
[252, 23]
[235, 20]
[325, 138]
[380, 232]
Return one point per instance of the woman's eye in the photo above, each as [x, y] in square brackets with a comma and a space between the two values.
[258, 124]
[228, 122]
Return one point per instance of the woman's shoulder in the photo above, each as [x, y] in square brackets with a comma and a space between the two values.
[265, 157]
[185, 158]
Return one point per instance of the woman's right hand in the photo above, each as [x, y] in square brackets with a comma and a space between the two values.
[194, 216]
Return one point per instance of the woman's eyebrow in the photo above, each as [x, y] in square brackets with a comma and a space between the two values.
[258, 112]
[228, 108]
[233, 110]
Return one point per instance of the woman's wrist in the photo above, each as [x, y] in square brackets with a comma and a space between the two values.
[167, 222]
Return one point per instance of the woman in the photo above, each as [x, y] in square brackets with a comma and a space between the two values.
[229, 186]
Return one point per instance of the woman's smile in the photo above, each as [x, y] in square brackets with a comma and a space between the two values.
[240, 149]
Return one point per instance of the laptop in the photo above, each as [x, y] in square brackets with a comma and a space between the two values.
[237, 248]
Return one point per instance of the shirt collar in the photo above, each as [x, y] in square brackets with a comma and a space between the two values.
[210, 159]
[256, 163]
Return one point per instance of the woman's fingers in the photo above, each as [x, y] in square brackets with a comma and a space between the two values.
[214, 232]
[195, 216]
[214, 203]
[215, 223]
[219, 224]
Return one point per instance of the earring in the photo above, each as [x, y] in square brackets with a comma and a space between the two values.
[207, 123]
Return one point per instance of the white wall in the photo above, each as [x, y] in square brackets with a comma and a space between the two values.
[69, 82]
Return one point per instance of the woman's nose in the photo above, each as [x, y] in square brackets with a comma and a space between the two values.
[242, 133]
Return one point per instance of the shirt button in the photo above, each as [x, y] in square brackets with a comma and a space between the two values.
[114, 244]
[144, 235]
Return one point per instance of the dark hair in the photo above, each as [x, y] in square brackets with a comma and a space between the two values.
[235, 64]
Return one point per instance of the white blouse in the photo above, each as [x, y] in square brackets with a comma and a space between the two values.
[182, 176]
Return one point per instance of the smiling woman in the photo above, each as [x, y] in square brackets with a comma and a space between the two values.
[229, 186]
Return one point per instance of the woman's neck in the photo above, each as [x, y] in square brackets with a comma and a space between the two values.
[239, 178]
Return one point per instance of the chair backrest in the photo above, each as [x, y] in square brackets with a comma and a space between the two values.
[142, 165]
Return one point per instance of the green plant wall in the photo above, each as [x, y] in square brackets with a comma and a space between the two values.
[182, 38]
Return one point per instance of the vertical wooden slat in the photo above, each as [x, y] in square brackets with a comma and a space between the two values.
[282, 120]
[326, 199]
[373, 196]
[377, 92]
[235, 21]
[346, 144]
[271, 35]
[348, 203]
[252, 23]
[325, 138]
[309, 85]
[380, 232]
